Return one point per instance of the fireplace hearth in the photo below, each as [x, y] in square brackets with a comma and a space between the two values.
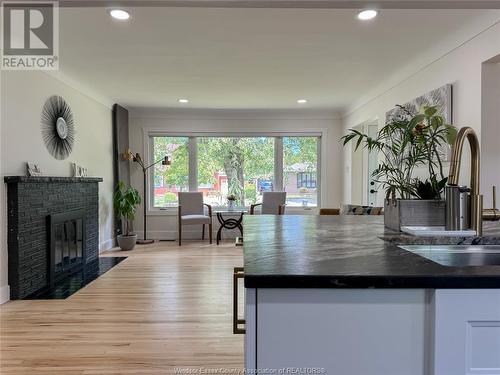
[72, 283]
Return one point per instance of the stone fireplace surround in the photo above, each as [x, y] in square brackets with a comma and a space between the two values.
[30, 203]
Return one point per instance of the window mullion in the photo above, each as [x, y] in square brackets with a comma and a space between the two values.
[151, 180]
[278, 164]
[318, 170]
[193, 164]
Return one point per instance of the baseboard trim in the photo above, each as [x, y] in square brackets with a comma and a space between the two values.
[106, 245]
[4, 294]
[187, 234]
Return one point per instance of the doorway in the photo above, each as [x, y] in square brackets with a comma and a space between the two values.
[363, 163]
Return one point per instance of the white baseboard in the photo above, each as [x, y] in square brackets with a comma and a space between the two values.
[187, 234]
[4, 294]
[106, 245]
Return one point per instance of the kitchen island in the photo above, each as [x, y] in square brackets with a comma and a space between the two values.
[337, 295]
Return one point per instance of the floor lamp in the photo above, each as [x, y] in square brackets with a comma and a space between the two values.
[138, 159]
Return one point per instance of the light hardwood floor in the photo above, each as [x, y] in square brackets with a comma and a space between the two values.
[163, 308]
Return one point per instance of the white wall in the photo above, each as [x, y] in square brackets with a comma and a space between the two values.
[490, 130]
[4, 287]
[164, 226]
[23, 94]
[460, 67]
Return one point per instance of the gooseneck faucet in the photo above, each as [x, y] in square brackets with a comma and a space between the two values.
[474, 219]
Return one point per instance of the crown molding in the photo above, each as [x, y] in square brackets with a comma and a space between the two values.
[305, 4]
[232, 114]
[82, 89]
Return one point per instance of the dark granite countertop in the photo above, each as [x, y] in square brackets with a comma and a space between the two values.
[38, 179]
[350, 252]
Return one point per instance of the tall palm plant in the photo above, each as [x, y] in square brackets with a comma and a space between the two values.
[406, 144]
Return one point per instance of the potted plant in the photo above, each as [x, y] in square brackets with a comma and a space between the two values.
[231, 199]
[410, 144]
[126, 201]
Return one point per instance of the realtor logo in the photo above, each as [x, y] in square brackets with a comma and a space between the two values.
[30, 35]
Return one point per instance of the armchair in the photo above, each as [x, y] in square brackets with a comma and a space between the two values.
[273, 203]
[192, 212]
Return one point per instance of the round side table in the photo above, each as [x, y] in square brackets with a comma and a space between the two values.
[230, 222]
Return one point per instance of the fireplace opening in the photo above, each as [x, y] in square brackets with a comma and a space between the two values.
[66, 245]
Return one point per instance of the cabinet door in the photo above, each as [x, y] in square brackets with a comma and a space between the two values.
[341, 332]
[467, 332]
[250, 328]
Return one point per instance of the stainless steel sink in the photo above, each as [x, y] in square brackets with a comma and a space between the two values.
[437, 232]
[458, 255]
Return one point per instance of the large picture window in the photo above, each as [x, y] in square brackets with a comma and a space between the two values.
[243, 166]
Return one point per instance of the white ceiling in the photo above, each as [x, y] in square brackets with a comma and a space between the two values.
[248, 58]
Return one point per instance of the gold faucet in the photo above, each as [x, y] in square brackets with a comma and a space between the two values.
[476, 199]
[492, 214]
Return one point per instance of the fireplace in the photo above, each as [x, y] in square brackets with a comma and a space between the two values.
[67, 250]
[53, 230]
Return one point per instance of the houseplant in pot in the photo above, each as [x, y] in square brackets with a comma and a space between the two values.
[231, 202]
[126, 201]
[411, 168]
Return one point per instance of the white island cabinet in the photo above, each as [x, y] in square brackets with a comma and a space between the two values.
[372, 331]
[344, 296]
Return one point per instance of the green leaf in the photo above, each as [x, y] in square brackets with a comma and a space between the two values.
[451, 134]
[358, 143]
[430, 111]
[442, 184]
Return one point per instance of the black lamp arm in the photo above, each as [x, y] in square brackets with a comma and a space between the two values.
[138, 160]
[156, 162]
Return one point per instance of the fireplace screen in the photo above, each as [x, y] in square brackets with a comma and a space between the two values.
[67, 252]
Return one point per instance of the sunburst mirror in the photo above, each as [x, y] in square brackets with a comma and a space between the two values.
[58, 127]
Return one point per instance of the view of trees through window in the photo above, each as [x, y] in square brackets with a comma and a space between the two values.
[300, 164]
[242, 166]
[169, 180]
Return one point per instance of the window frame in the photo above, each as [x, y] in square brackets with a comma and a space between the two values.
[149, 134]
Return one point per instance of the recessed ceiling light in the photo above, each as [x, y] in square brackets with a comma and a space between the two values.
[183, 101]
[119, 14]
[302, 101]
[367, 14]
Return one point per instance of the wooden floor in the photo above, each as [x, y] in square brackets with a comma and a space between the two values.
[163, 309]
